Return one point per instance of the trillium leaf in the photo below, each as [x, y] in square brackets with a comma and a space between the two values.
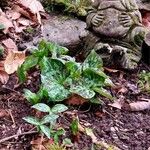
[45, 130]
[53, 78]
[103, 92]
[56, 91]
[32, 120]
[42, 107]
[93, 61]
[30, 62]
[59, 108]
[49, 119]
[31, 97]
[83, 91]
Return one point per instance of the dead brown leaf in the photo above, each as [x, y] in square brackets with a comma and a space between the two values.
[30, 9]
[3, 113]
[4, 77]
[111, 70]
[10, 45]
[76, 100]
[13, 60]
[139, 106]
[6, 22]
[39, 143]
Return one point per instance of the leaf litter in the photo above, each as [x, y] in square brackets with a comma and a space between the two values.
[20, 15]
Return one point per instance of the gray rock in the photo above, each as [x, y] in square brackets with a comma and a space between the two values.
[144, 4]
[62, 30]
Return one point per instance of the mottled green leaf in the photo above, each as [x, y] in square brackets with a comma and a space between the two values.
[49, 118]
[103, 92]
[56, 91]
[42, 107]
[31, 97]
[21, 74]
[83, 91]
[32, 120]
[93, 61]
[59, 108]
[45, 130]
[53, 77]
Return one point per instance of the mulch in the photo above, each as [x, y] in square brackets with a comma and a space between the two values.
[124, 129]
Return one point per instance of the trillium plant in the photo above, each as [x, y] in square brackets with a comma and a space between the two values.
[62, 76]
[46, 125]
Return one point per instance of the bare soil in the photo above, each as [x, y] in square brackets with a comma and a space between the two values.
[124, 129]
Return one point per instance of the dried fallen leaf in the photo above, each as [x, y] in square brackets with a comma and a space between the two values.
[30, 9]
[3, 113]
[6, 22]
[13, 60]
[39, 143]
[139, 106]
[4, 77]
[111, 70]
[76, 100]
[10, 45]
[118, 103]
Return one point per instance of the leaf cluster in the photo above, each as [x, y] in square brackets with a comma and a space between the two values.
[78, 7]
[49, 119]
[62, 76]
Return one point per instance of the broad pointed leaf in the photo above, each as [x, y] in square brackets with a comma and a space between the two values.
[32, 120]
[45, 130]
[83, 91]
[42, 107]
[103, 92]
[49, 118]
[58, 108]
[31, 97]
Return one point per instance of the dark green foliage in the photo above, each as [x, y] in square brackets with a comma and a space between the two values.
[62, 76]
[78, 7]
[49, 119]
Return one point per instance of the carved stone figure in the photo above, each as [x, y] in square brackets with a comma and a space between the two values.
[116, 32]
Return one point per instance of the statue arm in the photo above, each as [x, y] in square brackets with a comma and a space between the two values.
[136, 17]
[91, 13]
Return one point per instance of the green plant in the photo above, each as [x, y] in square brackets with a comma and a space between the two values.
[144, 81]
[62, 76]
[78, 7]
[49, 119]
[74, 127]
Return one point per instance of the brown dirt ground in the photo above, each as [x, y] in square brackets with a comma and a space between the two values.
[124, 129]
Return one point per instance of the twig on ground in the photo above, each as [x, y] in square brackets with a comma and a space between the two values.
[12, 90]
[12, 118]
[17, 135]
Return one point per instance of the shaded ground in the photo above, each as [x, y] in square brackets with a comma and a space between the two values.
[124, 129]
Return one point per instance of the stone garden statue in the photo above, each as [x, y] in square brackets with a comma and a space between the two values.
[116, 32]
